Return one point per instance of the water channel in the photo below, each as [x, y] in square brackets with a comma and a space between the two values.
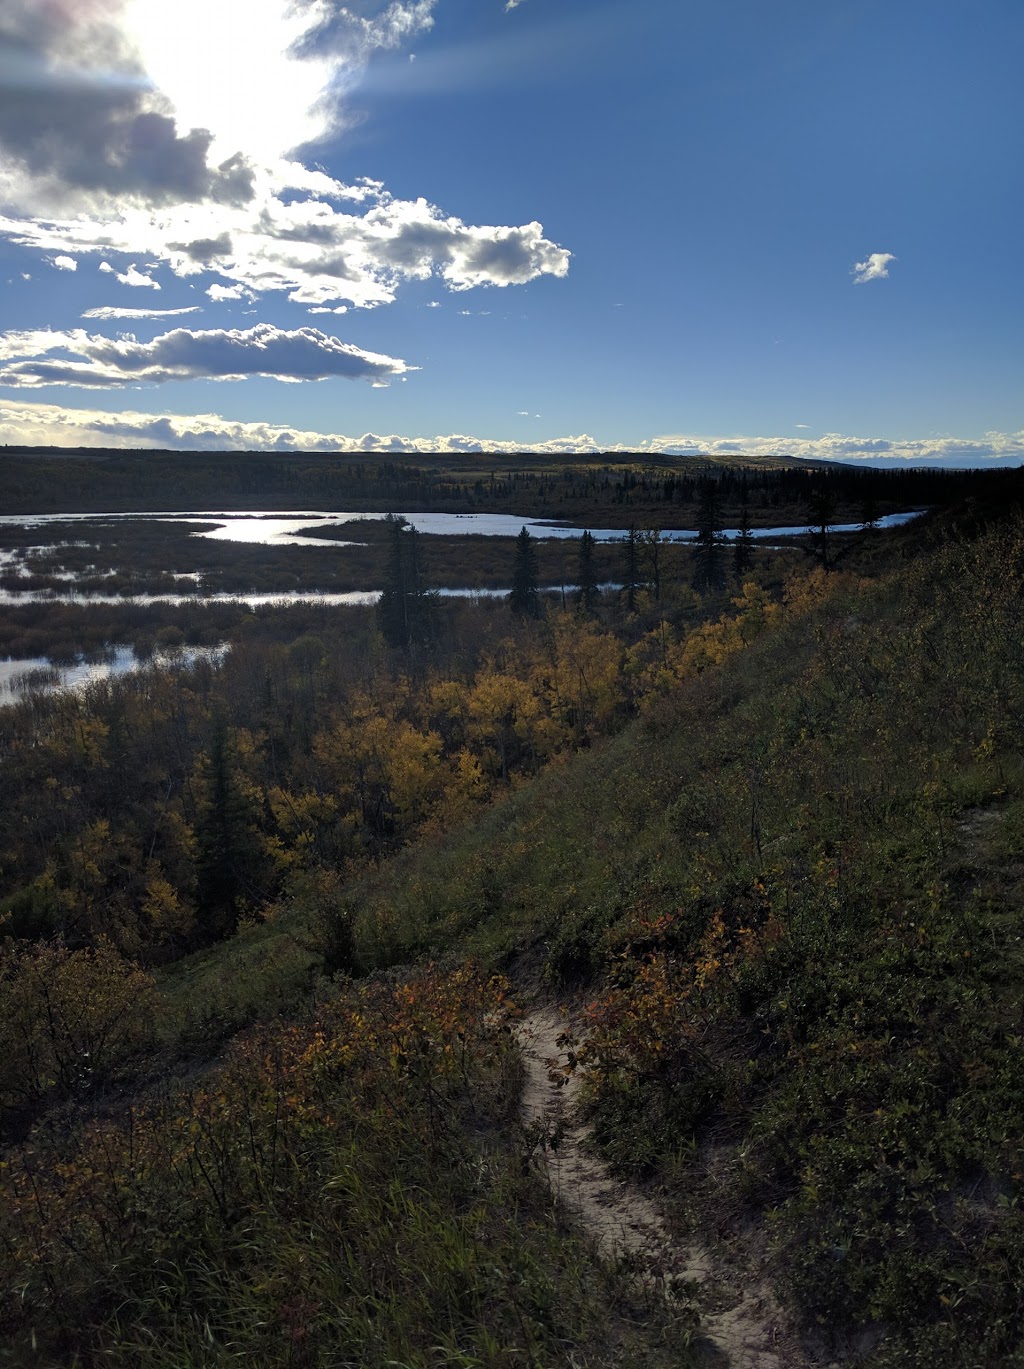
[277, 529]
[274, 529]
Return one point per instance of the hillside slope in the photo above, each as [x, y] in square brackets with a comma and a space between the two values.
[785, 903]
[791, 894]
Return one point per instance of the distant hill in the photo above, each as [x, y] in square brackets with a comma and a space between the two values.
[658, 490]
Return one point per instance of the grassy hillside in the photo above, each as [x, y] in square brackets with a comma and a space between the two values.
[788, 896]
[791, 894]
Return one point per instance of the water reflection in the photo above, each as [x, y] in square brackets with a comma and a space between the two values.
[281, 528]
[274, 529]
[355, 598]
[39, 673]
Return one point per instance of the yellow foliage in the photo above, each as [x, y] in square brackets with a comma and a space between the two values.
[167, 915]
[807, 591]
[585, 674]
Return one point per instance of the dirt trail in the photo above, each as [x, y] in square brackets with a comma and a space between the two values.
[625, 1222]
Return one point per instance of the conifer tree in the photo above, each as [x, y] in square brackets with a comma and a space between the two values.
[227, 858]
[707, 573]
[821, 512]
[586, 578]
[524, 600]
[403, 606]
[652, 546]
[743, 547]
[631, 575]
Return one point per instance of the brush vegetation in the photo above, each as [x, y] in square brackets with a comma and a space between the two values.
[258, 1071]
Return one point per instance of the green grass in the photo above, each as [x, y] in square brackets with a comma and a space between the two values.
[846, 797]
[791, 892]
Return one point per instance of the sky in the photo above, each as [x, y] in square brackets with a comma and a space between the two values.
[502, 225]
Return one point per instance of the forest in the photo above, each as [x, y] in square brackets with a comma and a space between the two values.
[271, 924]
[658, 489]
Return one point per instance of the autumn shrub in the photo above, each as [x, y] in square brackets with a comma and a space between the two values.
[847, 1026]
[68, 1019]
[342, 1192]
[798, 967]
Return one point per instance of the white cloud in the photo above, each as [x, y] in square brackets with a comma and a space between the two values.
[31, 423]
[136, 278]
[50, 424]
[141, 101]
[110, 311]
[82, 125]
[841, 447]
[875, 268]
[65, 263]
[169, 103]
[124, 134]
[27, 359]
[224, 292]
[355, 248]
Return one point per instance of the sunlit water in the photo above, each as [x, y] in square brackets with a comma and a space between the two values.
[354, 598]
[19, 678]
[285, 529]
[275, 529]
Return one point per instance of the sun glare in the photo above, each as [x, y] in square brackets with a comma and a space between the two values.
[225, 66]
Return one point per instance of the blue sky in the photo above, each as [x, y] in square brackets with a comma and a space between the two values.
[556, 224]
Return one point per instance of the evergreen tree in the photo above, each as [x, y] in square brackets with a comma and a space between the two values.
[524, 600]
[391, 608]
[419, 602]
[652, 546]
[707, 571]
[228, 858]
[821, 512]
[869, 512]
[743, 547]
[586, 578]
[403, 609]
[631, 576]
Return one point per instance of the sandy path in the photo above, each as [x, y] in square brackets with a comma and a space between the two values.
[623, 1220]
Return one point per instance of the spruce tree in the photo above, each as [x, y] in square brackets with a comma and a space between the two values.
[403, 609]
[524, 600]
[707, 571]
[631, 576]
[743, 547]
[869, 512]
[228, 864]
[652, 546]
[586, 578]
[821, 512]
[391, 606]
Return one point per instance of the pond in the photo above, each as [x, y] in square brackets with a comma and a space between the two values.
[39, 674]
[273, 530]
[285, 529]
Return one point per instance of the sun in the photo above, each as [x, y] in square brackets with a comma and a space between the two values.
[229, 66]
